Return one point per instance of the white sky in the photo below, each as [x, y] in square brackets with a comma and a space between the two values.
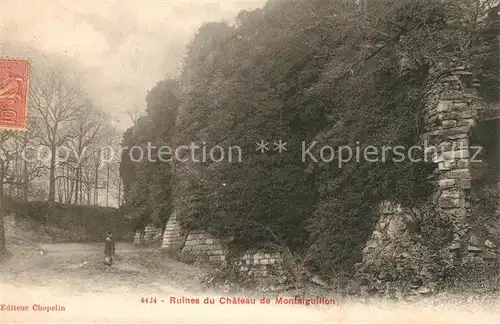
[123, 47]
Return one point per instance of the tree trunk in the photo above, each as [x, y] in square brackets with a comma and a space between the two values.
[89, 194]
[77, 182]
[68, 185]
[80, 185]
[25, 181]
[107, 186]
[119, 192]
[52, 175]
[60, 190]
[63, 184]
[72, 188]
[96, 190]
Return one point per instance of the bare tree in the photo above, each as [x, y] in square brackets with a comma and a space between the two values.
[97, 163]
[86, 130]
[24, 166]
[4, 136]
[56, 99]
[110, 154]
[135, 113]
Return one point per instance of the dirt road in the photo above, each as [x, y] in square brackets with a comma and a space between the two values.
[78, 268]
[66, 284]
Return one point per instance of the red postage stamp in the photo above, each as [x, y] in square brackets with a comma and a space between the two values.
[14, 78]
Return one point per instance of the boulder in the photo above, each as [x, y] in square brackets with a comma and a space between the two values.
[472, 248]
[423, 290]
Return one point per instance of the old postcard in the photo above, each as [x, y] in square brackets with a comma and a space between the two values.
[264, 161]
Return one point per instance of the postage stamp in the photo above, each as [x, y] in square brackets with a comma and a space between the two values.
[14, 80]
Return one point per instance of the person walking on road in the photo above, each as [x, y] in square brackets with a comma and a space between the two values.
[109, 251]
[113, 245]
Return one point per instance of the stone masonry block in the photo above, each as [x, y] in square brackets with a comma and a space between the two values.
[445, 146]
[450, 155]
[460, 106]
[461, 143]
[449, 123]
[450, 116]
[466, 122]
[458, 136]
[444, 106]
[214, 258]
[448, 202]
[462, 154]
[446, 165]
[460, 130]
[449, 95]
[451, 194]
[258, 255]
[459, 174]
[447, 183]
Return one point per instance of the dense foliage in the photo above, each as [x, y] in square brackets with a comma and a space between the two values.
[303, 71]
[147, 182]
[69, 223]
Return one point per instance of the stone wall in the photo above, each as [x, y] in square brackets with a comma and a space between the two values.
[452, 113]
[203, 247]
[261, 264]
[449, 126]
[150, 235]
[200, 246]
[138, 237]
[458, 113]
[173, 237]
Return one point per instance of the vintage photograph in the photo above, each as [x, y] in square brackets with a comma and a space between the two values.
[263, 161]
